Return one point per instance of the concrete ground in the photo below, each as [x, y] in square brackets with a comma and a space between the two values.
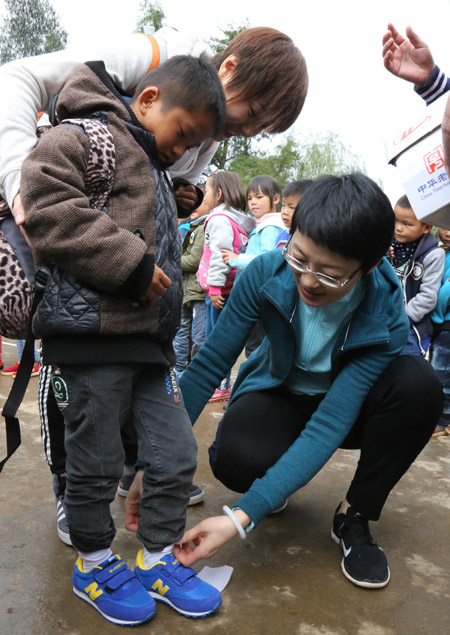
[287, 576]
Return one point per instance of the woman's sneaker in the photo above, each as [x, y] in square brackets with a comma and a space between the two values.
[114, 591]
[364, 562]
[170, 582]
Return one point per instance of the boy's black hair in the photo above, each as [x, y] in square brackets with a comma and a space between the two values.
[349, 215]
[188, 82]
[297, 188]
[403, 202]
[267, 184]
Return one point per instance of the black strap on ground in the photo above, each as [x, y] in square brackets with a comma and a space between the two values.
[23, 375]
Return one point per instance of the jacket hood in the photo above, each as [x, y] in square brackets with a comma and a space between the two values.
[268, 220]
[91, 89]
[247, 222]
[426, 243]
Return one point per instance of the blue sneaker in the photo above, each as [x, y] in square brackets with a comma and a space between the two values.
[178, 586]
[114, 591]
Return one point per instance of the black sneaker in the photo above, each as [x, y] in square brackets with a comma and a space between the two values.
[128, 475]
[364, 562]
[62, 527]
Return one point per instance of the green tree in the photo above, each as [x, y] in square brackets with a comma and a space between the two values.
[30, 27]
[151, 15]
[290, 159]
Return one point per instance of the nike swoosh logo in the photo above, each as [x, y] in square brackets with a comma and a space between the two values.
[346, 551]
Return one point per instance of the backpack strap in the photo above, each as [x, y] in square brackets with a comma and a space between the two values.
[22, 378]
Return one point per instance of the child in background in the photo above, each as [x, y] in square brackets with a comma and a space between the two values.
[227, 228]
[263, 196]
[115, 364]
[419, 264]
[290, 196]
[440, 345]
[193, 315]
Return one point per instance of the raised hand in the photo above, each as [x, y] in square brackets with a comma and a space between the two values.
[408, 58]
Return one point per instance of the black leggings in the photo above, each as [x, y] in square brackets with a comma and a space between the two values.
[395, 423]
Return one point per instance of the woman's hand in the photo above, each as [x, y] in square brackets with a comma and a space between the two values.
[409, 58]
[207, 537]
[227, 255]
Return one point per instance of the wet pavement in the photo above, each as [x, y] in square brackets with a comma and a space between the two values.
[287, 576]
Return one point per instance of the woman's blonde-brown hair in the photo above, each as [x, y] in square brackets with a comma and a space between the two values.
[270, 70]
[232, 189]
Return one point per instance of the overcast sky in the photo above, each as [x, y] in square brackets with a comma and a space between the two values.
[350, 92]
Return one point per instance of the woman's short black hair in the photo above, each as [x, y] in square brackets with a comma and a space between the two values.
[349, 215]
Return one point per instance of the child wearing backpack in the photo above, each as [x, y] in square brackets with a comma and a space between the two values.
[110, 309]
[263, 196]
[227, 228]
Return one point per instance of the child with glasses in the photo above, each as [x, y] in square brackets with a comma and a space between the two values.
[327, 375]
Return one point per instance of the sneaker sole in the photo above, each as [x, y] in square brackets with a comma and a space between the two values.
[64, 537]
[160, 598]
[195, 500]
[122, 492]
[113, 620]
[364, 585]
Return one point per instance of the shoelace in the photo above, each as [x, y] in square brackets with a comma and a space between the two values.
[355, 531]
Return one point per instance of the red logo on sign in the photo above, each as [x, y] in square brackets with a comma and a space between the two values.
[404, 135]
[434, 160]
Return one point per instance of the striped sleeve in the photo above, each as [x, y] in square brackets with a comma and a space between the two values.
[435, 86]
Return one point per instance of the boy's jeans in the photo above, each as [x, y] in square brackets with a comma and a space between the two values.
[96, 401]
[440, 360]
[193, 316]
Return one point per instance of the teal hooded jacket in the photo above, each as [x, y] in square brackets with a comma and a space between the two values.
[266, 291]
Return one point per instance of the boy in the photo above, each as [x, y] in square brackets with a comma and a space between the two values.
[290, 197]
[419, 264]
[327, 375]
[109, 313]
[440, 346]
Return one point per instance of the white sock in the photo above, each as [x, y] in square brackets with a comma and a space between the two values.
[93, 559]
[152, 557]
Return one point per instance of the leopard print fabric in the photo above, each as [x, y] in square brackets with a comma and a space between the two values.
[99, 178]
[16, 295]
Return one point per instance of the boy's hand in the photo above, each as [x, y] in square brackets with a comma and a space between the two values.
[227, 255]
[186, 197]
[218, 301]
[159, 284]
[408, 58]
[132, 503]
